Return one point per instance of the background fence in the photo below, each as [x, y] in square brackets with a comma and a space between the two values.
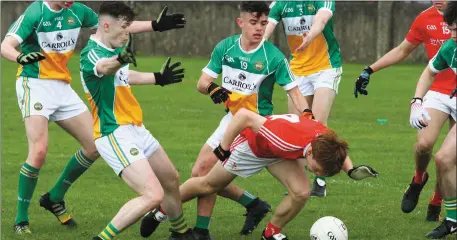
[365, 30]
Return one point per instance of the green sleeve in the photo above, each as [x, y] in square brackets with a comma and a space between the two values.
[438, 62]
[325, 5]
[89, 60]
[90, 18]
[25, 25]
[276, 9]
[284, 76]
[214, 67]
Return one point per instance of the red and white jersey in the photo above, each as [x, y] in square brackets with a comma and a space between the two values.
[429, 28]
[282, 136]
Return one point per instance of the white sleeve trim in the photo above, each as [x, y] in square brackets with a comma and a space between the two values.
[326, 9]
[18, 38]
[210, 72]
[272, 20]
[290, 85]
[430, 64]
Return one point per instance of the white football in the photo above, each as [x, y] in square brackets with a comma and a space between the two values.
[329, 228]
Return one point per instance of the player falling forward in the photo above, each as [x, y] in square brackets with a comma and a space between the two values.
[275, 142]
[47, 33]
[250, 67]
[316, 64]
[428, 28]
[446, 157]
[120, 136]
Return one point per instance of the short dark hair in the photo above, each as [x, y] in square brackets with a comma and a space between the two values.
[450, 13]
[257, 7]
[329, 151]
[117, 9]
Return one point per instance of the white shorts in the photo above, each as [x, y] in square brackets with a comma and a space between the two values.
[242, 162]
[127, 144]
[215, 139]
[329, 78]
[441, 102]
[53, 99]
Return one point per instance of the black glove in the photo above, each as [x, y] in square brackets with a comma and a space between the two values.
[166, 22]
[221, 153]
[218, 94]
[362, 82]
[453, 93]
[168, 75]
[307, 113]
[126, 55]
[29, 58]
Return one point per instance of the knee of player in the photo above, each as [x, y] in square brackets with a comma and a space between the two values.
[91, 153]
[204, 166]
[444, 161]
[423, 145]
[153, 197]
[300, 195]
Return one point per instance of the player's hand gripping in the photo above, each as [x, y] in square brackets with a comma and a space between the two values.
[29, 58]
[362, 81]
[218, 94]
[362, 172]
[307, 113]
[126, 55]
[168, 74]
[168, 21]
[221, 153]
[418, 113]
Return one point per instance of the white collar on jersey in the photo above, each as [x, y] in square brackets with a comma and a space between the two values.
[306, 149]
[101, 44]
[253, 50]
[50, 9]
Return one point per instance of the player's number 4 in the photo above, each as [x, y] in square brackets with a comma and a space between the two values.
[59, 24]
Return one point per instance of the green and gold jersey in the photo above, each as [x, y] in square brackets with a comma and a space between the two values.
[53, 33]
[110, 97]
[445, 58]
[250, 76]
[298, 17]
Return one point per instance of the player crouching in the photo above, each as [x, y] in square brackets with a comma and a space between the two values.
[278, 142]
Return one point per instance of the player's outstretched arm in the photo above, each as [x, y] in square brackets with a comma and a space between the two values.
[163, 23]
[167, 75]
[299, 101]
[392, 57]
[419, 115]
[269, 30]
[320, 20]
[217, 93]
[9, 51]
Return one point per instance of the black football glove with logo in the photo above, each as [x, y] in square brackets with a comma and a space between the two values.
[167, 22]
[29, 58]
[218, 94]
[362, 82]
[168, 74]
[126, 55]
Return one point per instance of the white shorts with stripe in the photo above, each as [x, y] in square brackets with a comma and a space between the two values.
[329, 78]
[242, 161]
[53, 99]
[215, 139]
[441, 102]
[127, 144]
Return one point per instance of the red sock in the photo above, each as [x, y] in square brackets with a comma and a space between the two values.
[437, 198]
[161, 210]
[419, 177]
[271, 230]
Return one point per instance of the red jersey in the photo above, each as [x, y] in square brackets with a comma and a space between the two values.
[429, 28]
[283, 136]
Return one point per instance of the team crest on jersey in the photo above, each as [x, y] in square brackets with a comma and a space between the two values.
[242, 76]
[310, 8]
[70, 20]
[259, 65]
[134, 151]
[38, 106]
